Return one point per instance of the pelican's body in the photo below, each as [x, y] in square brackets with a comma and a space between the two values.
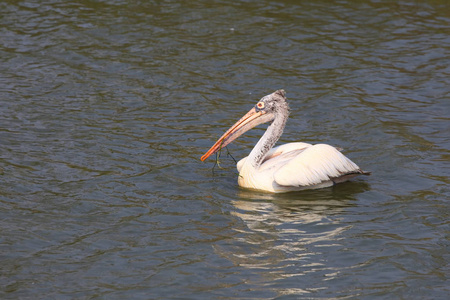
[289, 167]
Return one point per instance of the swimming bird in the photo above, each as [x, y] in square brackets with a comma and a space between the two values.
[289, 167]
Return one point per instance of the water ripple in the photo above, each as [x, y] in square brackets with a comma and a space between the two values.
[107, 106]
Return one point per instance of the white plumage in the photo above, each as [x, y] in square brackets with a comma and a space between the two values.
[289, 167]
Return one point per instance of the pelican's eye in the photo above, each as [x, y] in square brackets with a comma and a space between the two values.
[260, 105]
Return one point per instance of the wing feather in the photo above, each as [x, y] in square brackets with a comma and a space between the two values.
[316, 164]
[277, 151]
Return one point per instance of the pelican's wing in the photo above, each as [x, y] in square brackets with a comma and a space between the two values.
[285, 148]
[316, 164]
[277, 151]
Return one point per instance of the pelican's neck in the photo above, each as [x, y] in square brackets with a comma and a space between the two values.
[268, 140]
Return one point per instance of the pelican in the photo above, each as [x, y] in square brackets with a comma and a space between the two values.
[289, 167]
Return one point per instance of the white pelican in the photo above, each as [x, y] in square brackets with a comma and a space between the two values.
[289, 167]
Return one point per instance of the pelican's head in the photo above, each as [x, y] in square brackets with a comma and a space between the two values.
[266, 110]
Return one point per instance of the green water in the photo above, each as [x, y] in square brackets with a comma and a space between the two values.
[107, 106]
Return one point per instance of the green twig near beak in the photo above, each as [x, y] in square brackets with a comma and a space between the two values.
[217, 162]
[217, 157]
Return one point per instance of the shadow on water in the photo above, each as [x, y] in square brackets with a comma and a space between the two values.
[309, 205]
[342, 191]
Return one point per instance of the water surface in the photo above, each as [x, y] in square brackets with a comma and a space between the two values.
[107, 106]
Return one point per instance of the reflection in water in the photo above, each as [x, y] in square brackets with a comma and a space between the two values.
[285, 234]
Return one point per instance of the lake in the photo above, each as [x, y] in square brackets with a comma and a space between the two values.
[107, 106]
